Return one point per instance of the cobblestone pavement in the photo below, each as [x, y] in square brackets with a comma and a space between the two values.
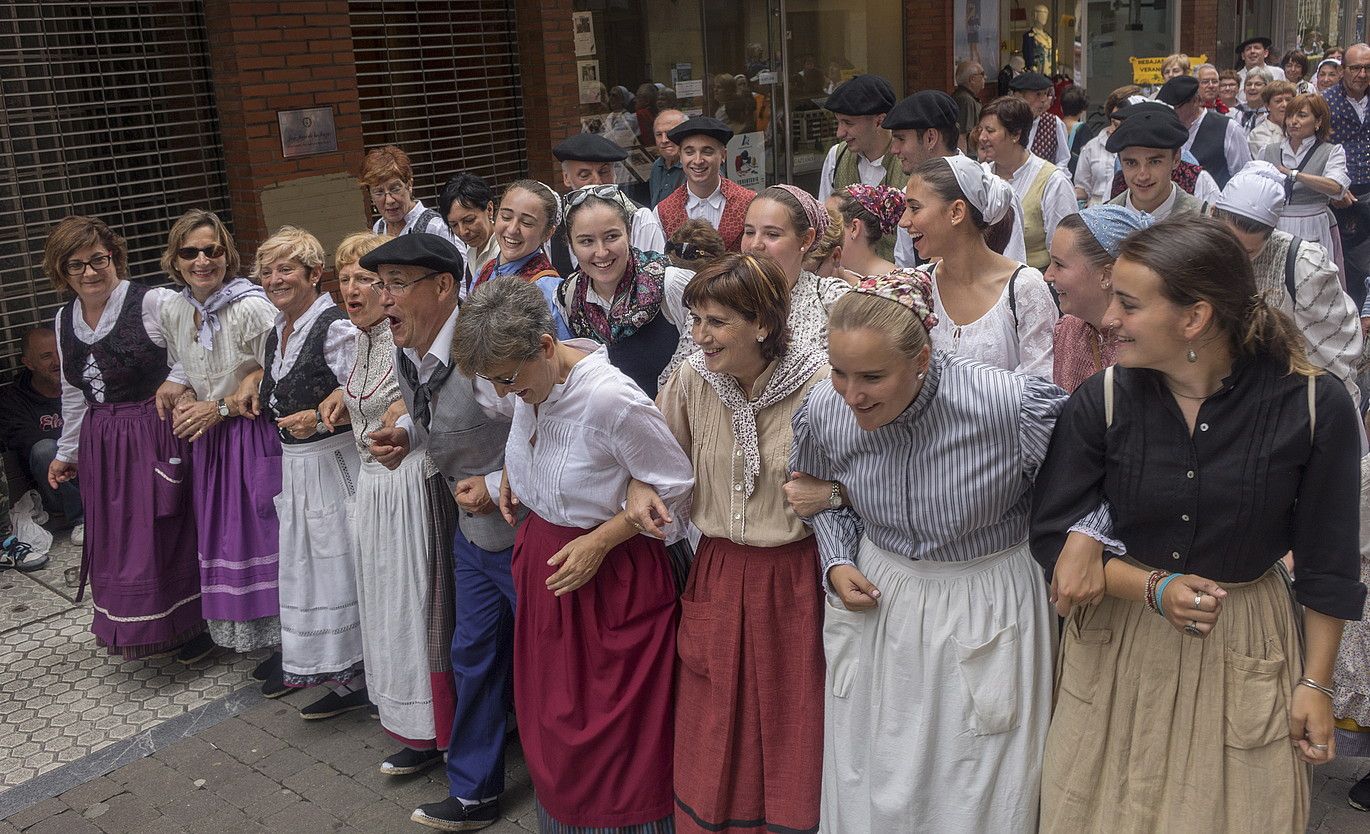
[89, 745]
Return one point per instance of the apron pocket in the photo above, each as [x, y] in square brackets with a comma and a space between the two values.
[990, 674]
[695, 639]
[168, 489]
[1255, 699]
[842, 630]
[265, 485]
[1083, 657]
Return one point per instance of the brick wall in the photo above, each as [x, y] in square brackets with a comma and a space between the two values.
[1199, 31]
[281, 56]
[551, 94]
[927, 45]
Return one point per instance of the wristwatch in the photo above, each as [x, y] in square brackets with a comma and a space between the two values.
[319, 426]
[223, 408]
[835, 497]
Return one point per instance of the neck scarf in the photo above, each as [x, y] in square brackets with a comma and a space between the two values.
[792, 370]
[636, 301]
[818, 216]
[234, 290]
[423, 391]
[1044, 143]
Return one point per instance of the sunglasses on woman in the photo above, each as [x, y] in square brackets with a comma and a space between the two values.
[190, 253]
[603, 192]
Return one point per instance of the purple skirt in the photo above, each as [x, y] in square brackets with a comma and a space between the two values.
[139, 552]
[237, 477]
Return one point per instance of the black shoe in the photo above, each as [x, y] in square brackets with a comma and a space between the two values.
[451, 815]
[374, 712]
[409, 761]
[274, 686]
[334, 704]
[268, 668]
[196, 649]
[1359, 795]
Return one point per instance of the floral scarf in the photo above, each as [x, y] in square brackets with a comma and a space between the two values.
[636, 301]
[230, 292]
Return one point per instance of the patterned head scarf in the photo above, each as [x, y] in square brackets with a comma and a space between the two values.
[884, 203]
[1110, 224]
[819, 219]
[909, 288]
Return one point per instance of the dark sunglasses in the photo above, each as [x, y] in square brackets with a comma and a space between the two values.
[687, 251]
[190, 253]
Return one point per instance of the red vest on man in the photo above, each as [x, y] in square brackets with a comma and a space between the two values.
[736, 199]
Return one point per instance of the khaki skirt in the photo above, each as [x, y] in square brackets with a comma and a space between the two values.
[1157, 731]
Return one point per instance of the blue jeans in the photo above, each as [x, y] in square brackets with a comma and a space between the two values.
[66, 499]
[482, 663]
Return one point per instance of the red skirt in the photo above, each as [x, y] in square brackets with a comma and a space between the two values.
[593, 685]
[750, 690]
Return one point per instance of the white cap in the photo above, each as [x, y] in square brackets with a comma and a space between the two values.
[1257, 192]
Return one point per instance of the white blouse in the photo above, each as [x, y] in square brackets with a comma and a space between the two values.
[239, 347]
[594, 432]
[73, 400]
[1094, 172]
[339, 346]
[992, 338]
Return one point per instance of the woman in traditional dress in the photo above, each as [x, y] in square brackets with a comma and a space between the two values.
[528, 215]
[312, 345]
[139, 555]
[752, 610]
[1082, 256]
[990, 308]
[869, 213]
[784, 222]
[937, 632]
[1197, 688]
[619, 296]
[216, 331]
[468, 205]
[594, 629]
[401, 540]
[1317, 173]
[1275, 97]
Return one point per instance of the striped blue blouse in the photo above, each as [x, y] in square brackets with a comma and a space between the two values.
[948, 480]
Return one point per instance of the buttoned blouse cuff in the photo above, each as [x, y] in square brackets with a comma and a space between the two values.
[492, 483]
[839, 538]
[1328, 594]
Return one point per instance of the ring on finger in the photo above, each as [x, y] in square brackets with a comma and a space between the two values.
[1193, 629]
[1319, 747]
[1198, 601]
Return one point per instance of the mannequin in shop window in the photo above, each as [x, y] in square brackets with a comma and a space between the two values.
[1037, 43]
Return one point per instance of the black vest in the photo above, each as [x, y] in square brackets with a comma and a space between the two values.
[308, 382]
[131, 366]
[642, 355]
[1210, 146]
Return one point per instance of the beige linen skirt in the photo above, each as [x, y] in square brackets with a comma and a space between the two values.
[1157, 731]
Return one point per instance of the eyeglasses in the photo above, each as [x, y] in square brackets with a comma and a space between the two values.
[190, 253]
[603, 192]
[96, 263]
[507, 381]
[1356, 69]
[394, 190]
[687, 251]
[400, 289]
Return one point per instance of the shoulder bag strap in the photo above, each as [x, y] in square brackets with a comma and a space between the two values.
[1108, 396]
[1290, 259]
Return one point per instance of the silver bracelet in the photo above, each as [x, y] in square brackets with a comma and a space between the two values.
[1312, 684]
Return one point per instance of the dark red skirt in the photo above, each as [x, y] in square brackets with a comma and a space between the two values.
[593, 684]
[750, 690]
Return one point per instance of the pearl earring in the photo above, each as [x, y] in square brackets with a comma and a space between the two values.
[1190, 356]
[761, 338]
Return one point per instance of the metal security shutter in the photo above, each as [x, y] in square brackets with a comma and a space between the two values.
[107, 110]
[440, 79]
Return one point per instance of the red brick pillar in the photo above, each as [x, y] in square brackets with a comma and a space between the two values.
[268, 57]
[551, 94]
[1199, 31]
[928, 38]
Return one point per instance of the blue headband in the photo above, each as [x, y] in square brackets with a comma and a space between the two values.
[1110, 224]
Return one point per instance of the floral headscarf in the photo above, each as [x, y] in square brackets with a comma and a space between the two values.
[884, 203]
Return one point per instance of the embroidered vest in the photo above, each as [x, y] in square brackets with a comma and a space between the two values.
[131, 366]
[1045, 142]
[736, 199]
[848, 172]
[1034, 226]
[1351, 133]
[1210, 149]
[533, 270]
[308, 382]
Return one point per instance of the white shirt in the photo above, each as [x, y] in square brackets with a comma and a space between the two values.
[339, 346]
[1206, 188]
[1235, 146]
[1162, 211]
[73, 400]
[870, 173]
[708, 208]
[436, 226]
[1264, 133]
[1058, 197]
[1335, 169]
[594, 432]
[1358, 104]
[993, 339]
[1094, 171]
[1062, 159]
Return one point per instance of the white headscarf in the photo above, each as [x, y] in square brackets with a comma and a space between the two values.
[990, 194]
[1256, 191]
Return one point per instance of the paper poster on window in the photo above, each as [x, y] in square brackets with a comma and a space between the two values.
[976, 33]
[583, 27]
[747, 160]
[689, 89]
[591, 90]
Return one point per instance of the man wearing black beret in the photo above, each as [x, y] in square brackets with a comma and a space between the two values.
[1148, 146]
[462, 424]
[705, 194]
[1215, 141]
[1047, 138]
[1253, 52]
[862, 153]
[589, 159]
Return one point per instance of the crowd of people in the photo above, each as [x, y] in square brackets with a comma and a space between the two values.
[962, 494]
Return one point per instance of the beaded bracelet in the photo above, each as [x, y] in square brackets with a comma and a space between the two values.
[1152, 578]
[1160, 591]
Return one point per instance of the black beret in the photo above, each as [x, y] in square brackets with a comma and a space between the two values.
[924, 110]
[1178, 90]
[1149, 124]
[701, 126]
[416, 249]
[1029, 81]
[1260, 39]
[588, 147]
[861, 95]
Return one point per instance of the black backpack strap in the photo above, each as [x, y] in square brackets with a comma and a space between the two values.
[425, 217]
[1013, 296]
[1290, 258]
